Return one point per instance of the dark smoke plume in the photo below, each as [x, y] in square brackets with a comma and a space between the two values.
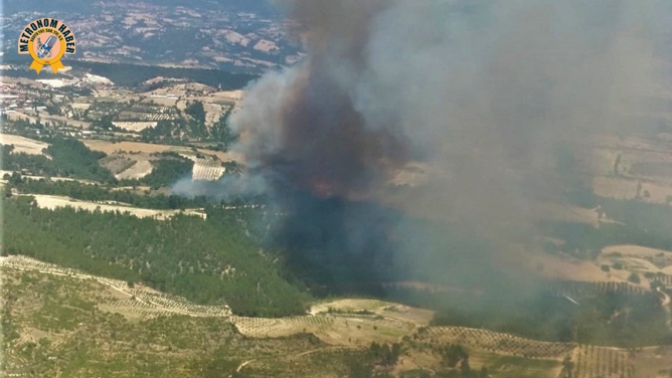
[487, 97]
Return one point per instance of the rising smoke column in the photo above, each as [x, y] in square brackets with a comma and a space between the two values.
[484, 92]
[304, 125]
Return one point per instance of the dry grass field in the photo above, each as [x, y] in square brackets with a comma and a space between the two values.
[138, 147]
[130, 147]
[55, 202]
[627, 188]
[128, 166]
[25, 145]
[601, 362]
[140, 169]
[135, 126]
[622, 165]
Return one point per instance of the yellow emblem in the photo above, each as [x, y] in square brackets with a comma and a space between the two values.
[47, 40]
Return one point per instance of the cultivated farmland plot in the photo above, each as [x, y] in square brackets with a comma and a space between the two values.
[265, 327]
[577, 289]
[593, 362]
[207, 170]
[500, 343]
[25, 145]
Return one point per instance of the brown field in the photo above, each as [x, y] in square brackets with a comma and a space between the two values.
[386, 322]
[638, 259]
[25, 145]
[130, 147]
[652, 362]
[565, 269]
[138, 147]
[140, 169]
[626, 188]
[128, 166]
[593, 362]
[553, 267]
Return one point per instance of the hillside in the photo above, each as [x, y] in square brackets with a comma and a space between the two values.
[207, 261]
[59, 322]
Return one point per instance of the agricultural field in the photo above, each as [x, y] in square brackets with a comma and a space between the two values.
[594, 362]
[111, 148]
[128, 166]
[628, 168]
[206, 169]
[553, 267]
[649, 263]
[577, 289]
[54, 202]
[629, 188]
[495, 342]
[24, 145]
[134, 125]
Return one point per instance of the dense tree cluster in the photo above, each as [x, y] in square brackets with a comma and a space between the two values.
[385, 354]
[170, 131]
[205, 261]
[221, 132]
[181, 130]
[196, 111]
[69, 158]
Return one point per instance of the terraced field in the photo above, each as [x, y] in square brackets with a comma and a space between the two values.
[600, 362]
[208, 170]
[584, 289]
[500, 343]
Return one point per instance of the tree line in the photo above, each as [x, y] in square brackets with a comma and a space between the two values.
[96, 192]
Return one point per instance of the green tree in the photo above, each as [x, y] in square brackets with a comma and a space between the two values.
[196, 111]
[465, 369]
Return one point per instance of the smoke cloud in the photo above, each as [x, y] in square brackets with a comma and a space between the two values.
[486, 97]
